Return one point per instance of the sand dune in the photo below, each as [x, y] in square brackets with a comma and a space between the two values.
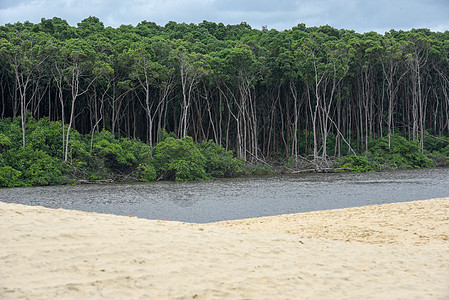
[392, 251]
[424, 222]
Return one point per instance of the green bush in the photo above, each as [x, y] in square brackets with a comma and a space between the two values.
[179, 159]
[36, 166]
[355, 163]
[259, 169]
[5, 142]
[219, 162]
[163, 134]
[438, 158]
[138, 149]
[432, 144]
[46, 136]
[146, 172]
[113, 154]
[102, 156]
[10, 177]
[402, 153]
[445, 151]
[11, 130]
[116, 155]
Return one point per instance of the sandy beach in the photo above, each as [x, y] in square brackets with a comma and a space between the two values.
[391, 251]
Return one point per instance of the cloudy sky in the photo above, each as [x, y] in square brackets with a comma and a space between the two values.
[360, 15]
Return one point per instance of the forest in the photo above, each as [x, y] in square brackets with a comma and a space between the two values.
[306, 95]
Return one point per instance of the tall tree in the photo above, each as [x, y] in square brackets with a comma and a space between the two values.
[192, 66]
[417, 57]
[391, 60]
[79, 71]
[25, 52]
[150, 75]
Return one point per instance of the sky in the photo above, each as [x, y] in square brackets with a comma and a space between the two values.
[359, 15]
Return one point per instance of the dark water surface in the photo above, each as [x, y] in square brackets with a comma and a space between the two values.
[237, 198]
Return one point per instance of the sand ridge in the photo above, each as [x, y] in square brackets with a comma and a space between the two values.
[424, 222]
[392, 251]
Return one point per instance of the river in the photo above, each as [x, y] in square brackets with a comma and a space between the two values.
[237, 198]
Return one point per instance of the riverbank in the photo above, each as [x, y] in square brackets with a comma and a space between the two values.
[389, 251]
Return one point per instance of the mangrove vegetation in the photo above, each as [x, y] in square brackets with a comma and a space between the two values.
[196, 101]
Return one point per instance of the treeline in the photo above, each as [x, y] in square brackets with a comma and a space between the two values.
[303, 93]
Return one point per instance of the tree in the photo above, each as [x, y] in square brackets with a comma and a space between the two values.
[192, 66]
[25, 52]
[150, 75]
[239, 72]
[417, 57]
[391, 63]
[79, 71]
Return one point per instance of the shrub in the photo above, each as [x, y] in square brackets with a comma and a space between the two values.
[432, 144]
[260, 169]
[115, 156]
[5, 142]
[163, 134]
[10, 177]
[402, 153]
[36, 166]
[12, 131]
[438, 158]
[219, 162]
[46, 136]
[445, 151]
[146, 172]
[138, 149]
[179, 159]
[355, 163]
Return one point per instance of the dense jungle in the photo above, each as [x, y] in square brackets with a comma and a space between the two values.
[196, 101]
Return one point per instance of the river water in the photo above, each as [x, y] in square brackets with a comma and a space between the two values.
[237, 198]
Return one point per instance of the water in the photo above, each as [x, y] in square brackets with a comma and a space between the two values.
[237, 198]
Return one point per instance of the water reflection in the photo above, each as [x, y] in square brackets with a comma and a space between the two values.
[209, 201]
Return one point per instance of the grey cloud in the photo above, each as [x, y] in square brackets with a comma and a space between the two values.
[11, 3]
[360, 15]
[254, 6]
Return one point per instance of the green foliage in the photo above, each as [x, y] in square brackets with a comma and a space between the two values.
[5, 142]
[433, 144]
[356, 163]
[163, 135]
[179, 159]
[113, 154]
[219, 162]
[12, 133]
[402, 153]
[36, 166]
[40, 162]
[445, 151]
[79, 147]
[259, 91]
[46, 136]
[147, 172]
[9, 177]
[119, 155]
[259, 169]
[438, 158]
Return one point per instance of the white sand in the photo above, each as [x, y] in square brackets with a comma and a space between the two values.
[392, 251]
